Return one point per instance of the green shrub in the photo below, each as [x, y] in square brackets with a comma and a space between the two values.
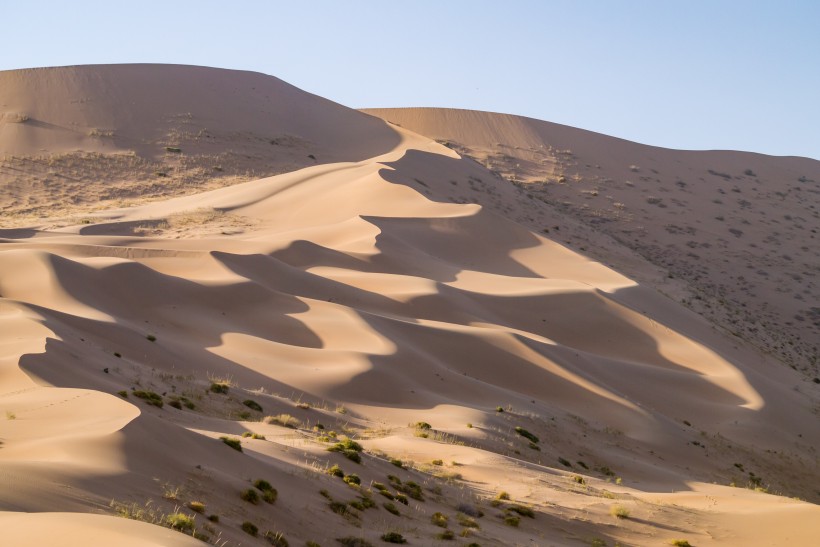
[564, 462]
[219, 387]
[180, 521]
[439, 519]
[176, 404]
[512, 520]
[446, 535]
[250, 528]
[680, 543]
[213, 518]
[524, 433]
[423, 425]
[397, 462]
[154, 399]
[236, 444]
[250, 496]
[175, 150]
[349, 449]
[619, 511]
[466, 521]
[437, 462]
[276, 539]
[151, 338]
[123, 394]
[502, 496]
[253, 405]
[197, 506]
[391, 508]
[253, 435]
[336, 471]
[393, 537]
[522, 510]
[270, 496]
[499, 409]
[352, 479]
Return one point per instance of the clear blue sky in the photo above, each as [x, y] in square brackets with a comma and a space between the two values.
[696, 74]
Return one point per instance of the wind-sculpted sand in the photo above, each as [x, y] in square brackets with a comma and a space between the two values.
[528, 393]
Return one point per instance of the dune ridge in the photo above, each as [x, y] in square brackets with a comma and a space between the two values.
[368, 295]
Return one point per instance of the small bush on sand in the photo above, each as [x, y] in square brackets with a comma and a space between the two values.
[219, 387]
[439, 519]
[250, 528]
[391, 508]
[393, 537]
[180, 521]
[253, 405]
[197, 506]
[524, 433]
[446, 535]
[234, 443]
[250, 496]
[277, 539]
[154, 399]
[619, 511]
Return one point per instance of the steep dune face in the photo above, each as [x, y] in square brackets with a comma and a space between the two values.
[733, 234]
[159, 130]
[371, 298]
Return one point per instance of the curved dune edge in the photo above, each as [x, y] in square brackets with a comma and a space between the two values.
[368, 296]
[76, 529]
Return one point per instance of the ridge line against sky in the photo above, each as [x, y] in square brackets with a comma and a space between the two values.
[689, 75]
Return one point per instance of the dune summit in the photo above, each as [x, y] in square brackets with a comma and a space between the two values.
[351, 331]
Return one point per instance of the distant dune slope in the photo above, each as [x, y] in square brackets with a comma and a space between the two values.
[735, 233]
[298, 355]
[157, 130]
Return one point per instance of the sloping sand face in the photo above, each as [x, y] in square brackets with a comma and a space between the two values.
[362, 299]
[731, 235]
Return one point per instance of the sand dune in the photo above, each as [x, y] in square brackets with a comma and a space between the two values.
[360, 298]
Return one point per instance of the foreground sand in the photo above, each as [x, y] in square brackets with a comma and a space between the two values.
[361, 296]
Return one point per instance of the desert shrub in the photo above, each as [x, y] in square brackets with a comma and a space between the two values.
[352, 479]
[176, 404]
[397, 462]
[565, 462]
[270, 496]
[175, 150]
[253, 435]
[250, 528]
[523, 510]
[277, 539]
[253, 405]
[502, 496]
[349, 449]
[149, 397]
[393, 537]
[219, 387]
[439, 519]
[236, 444]
[391, 508]
[437, 462]
[151, 338]
[412, 489]
[446, 535]
[197, 506]
[250, 496]
[524, 433]
[180, 521]
[466, 521]
[499, 409]
[423, 425]
[619, 511]
[336, 471]
[213, 518]
[401, 498]
[512, 520]
[579, 479]
[123, 394]
[680, 543]
[284, 420]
